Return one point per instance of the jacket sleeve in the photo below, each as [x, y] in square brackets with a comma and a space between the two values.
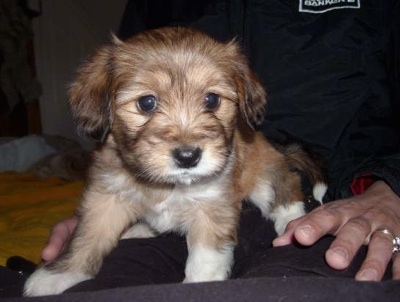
[386, 168]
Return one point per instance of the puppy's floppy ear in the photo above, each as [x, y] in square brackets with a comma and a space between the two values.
[90, 95]
[252, 96]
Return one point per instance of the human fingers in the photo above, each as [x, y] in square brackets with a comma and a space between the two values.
[60, 235]
[326, 219]
[306, 230]
[379, 253]
[287, 237]
[53, 248]
[349, 238]
[396, 266]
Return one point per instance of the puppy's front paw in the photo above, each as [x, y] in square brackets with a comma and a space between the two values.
[44, 282]
[206, 264]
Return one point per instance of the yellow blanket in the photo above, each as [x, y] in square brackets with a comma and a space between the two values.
[29, 207]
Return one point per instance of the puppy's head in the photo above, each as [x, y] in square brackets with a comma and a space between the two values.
[170, 99]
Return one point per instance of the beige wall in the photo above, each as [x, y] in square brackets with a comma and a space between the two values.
[65, 34]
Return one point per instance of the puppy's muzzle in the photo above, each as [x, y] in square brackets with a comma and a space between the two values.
[186, 156]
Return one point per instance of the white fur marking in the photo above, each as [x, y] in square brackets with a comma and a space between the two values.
[282, 215]
[139, 230]
[44, 282]
[207, 264]
[263, 196]
[207, 168]
[166, 215]
[319, 191]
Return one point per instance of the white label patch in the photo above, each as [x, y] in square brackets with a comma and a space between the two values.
[322, 6]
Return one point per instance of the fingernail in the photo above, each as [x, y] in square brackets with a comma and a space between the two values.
[306, 230]
[279, 242]
[340, 252]
[367, 275]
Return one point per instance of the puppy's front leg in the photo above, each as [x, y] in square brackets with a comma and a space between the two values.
[209, 263]
[210, 246]
[103, 219]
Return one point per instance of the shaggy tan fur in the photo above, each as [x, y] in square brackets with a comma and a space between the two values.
[177, 111]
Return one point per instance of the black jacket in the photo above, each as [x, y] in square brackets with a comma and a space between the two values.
[332, 77]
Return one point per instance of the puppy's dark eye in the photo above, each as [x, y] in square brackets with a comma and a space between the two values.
[212, 101]
[147, 103]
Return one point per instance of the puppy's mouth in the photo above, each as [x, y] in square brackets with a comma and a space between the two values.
[184, 165]
[186, 162]
[189, 176]
[192, 164]
[184, 177]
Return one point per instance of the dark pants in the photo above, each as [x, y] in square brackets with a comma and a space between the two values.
[162, 259]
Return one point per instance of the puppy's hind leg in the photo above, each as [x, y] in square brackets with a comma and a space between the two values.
[279, 197]
[289, 198]
[283, 214]
[103, 219]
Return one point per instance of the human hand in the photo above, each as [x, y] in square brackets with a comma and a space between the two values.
[353, 221]
[60, 235]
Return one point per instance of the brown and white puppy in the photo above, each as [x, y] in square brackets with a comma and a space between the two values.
[180, 154]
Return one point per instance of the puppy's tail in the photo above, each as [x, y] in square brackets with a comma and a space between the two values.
[305, 161]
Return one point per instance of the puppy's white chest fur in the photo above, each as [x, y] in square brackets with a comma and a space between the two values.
[175, 212]
[164, 216]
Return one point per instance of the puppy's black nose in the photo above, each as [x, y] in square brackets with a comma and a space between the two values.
[186, 157]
